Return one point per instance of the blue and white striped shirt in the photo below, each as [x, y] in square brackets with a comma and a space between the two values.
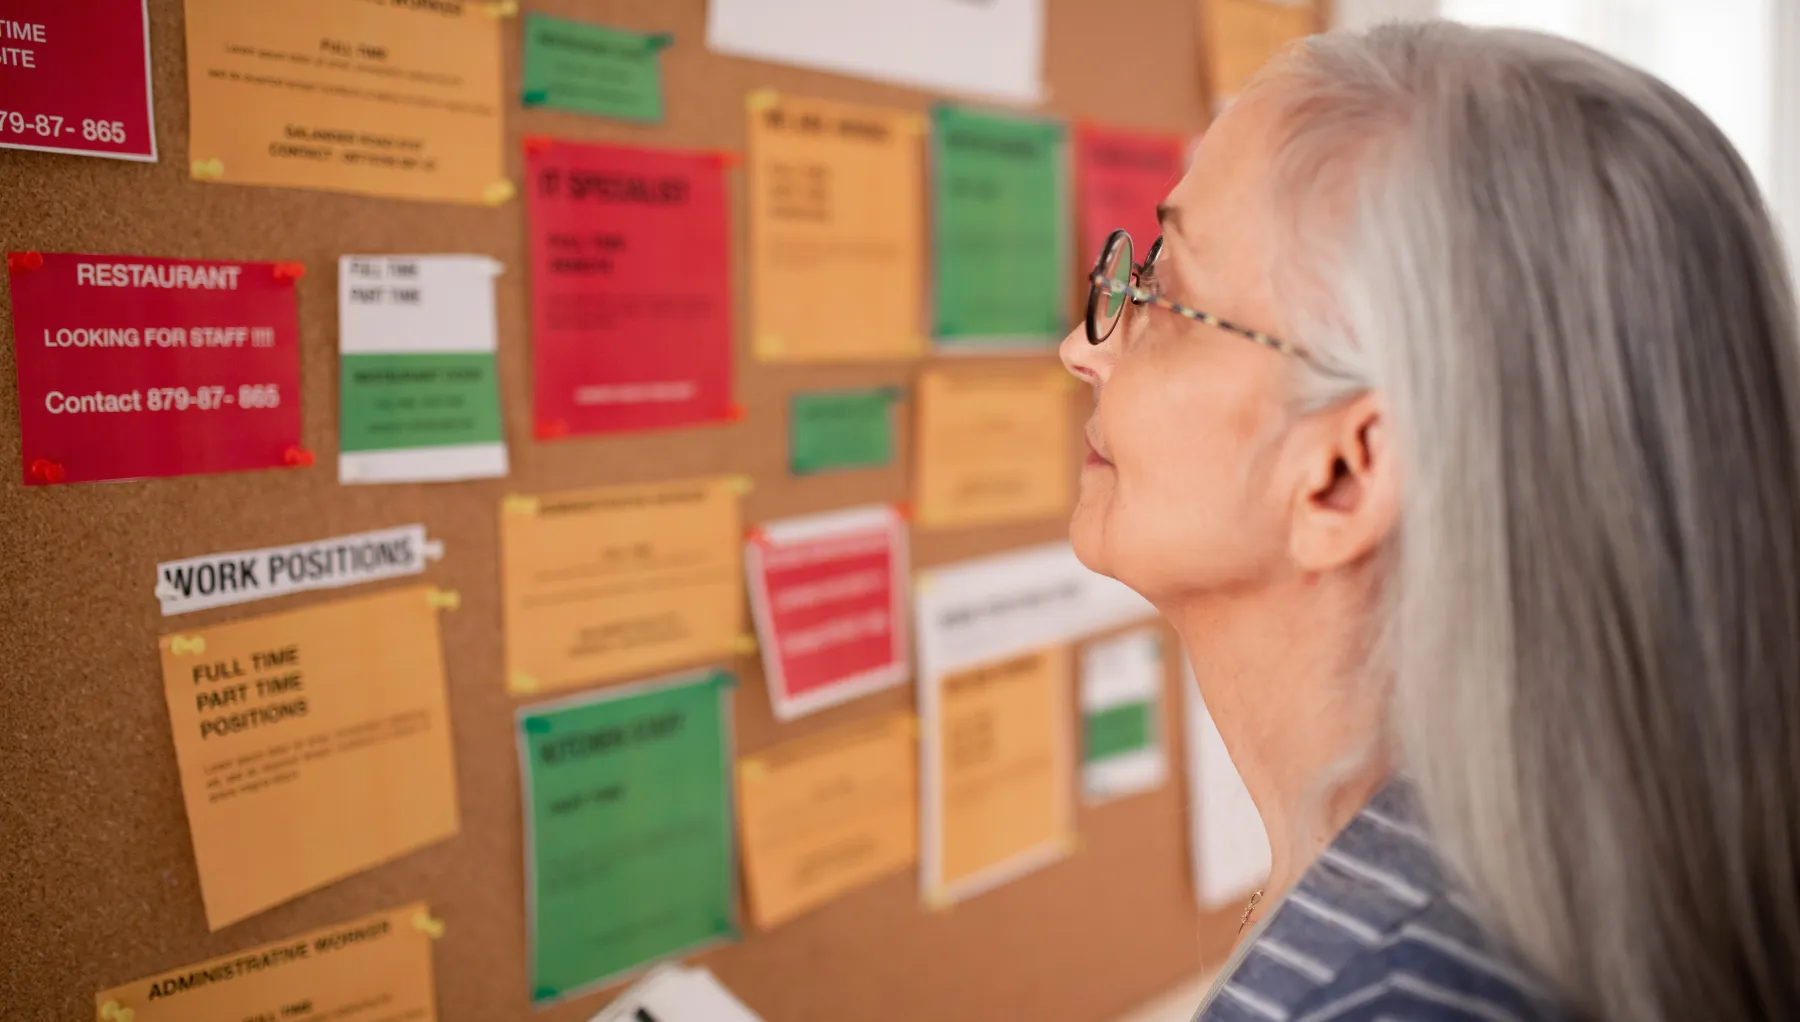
[1373, 932]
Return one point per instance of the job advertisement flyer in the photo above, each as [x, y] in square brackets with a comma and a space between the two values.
[400, 100]
[630, 288]
[132, 366]
[373, 969]
[312, 745]
[628, 844]
[75, 78]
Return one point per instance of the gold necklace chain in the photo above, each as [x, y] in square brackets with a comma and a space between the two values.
[1244, 920]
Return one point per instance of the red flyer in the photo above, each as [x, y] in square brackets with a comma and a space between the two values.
[829, 596]
[630, 288]
[132, 366]
[75, 78]
[1120, 176]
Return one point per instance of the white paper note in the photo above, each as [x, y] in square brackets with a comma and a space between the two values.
[418, 398]
[677, 993]
[240, 576]
[1229, 850]
[991, 48]
[982, 610]
[1121, 709]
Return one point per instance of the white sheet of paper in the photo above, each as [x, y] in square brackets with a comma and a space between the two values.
[677, 993]
[1228, 848]
[991, 608]
[994, 48]
[240, 576]
[418, 305]
[1122, 671]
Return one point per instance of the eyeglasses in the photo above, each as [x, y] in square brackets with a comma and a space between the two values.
[1111, 284]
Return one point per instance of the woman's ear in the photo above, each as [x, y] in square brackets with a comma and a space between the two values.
[1346, 499]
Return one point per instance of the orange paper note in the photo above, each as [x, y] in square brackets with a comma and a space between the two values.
[837, 227]
[621, 581]
[400, 100]
[821, 816]
[993, 445]
[312, 744]
[1241, 35]
[373, 969]
[999, 747]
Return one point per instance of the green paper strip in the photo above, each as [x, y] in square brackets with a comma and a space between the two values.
[1117, 729]
[841, 429]
[403, 402]
[605, 72]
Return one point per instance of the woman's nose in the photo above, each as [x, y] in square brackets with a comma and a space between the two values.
[1089, 363]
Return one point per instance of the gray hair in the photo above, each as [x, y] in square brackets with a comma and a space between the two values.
[1564, 285]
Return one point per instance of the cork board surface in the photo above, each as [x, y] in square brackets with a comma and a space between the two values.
[98, 872]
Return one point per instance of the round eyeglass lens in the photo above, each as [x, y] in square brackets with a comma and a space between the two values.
[1115, 269]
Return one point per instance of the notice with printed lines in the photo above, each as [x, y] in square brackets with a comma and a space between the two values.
[419, 396]
[132, 366]
[992, 445]
[630, 288]
[400, 100]
[312, 744]
[373, 969]
[619, 581]
[240, 576]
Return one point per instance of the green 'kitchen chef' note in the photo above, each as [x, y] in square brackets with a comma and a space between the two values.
[628, 840]
[573, 65]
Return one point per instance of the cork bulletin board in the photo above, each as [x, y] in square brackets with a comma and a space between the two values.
[95, 858]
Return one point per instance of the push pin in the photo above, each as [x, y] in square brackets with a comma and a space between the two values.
[289, 271]
[297, 457]
[24, 262]
[43, 470]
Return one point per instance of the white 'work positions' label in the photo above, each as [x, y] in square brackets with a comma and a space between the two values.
[220, 580]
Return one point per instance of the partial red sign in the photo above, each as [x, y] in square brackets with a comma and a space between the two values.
[75, 78]
[829, 599]
[630, 288]
[1120, 177]
[132, 366]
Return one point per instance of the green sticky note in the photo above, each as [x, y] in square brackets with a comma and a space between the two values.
[606, 72]
[1117, 729]
[408, 401]
[841, 429]
[629, 851]
[1000, 228]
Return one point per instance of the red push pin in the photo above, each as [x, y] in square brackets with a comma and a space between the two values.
[755, 534]
[43, 470]
[290, 271]
[728, 160]
[24, 262]
[905, 510]
[734, 412]
[552, 429]
[297, 457]
[536, 144]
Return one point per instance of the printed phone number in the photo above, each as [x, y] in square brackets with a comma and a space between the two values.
[52, 126]
[164, 399]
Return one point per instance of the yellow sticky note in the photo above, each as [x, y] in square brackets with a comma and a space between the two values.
[396, 100]
[312, 744]
[622, 581]
[1005, 762]
[337, 972]
[836, 231]
[824, 815]
[992, 445]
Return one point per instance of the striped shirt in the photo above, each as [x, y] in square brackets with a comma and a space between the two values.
[1372, 933]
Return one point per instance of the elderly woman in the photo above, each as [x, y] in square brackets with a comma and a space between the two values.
[1454, 421]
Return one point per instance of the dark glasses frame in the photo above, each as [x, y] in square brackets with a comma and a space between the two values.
[1103, 290]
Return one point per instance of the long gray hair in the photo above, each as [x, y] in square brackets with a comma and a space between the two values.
[1565, 287]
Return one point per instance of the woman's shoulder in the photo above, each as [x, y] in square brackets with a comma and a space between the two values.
[1374, 930]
